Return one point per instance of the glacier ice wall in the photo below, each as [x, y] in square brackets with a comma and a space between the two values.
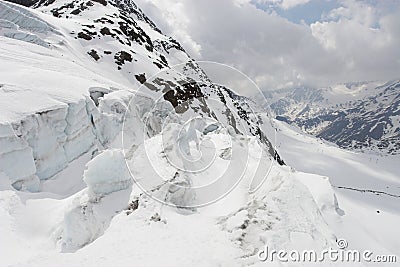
[42, 144]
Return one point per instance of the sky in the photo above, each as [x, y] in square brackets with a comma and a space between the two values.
[288, 43]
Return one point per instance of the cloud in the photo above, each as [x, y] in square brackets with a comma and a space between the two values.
[356, 41]
[366, 43]
[170, 16]
[284, 4]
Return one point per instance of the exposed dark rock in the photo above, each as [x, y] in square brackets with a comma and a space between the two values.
[76, 11]
[106, 31]
[160, 66]
[85, 36]
[166, 46]
[134, 205]
[164, 60]
[129, 7]
[121, 57]
[131, 29]
[104, 20]
[57, 12]
[94, 55]
[141, 78]
[181, 97]
[89, 26]
[103, 2]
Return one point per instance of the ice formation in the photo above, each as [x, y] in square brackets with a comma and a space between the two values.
[108, 188]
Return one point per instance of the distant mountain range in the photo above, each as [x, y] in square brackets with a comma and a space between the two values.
[360, 115]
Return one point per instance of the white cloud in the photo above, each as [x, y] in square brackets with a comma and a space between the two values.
[357, 41]
[284, 4]
[169, 15]
[366, 43]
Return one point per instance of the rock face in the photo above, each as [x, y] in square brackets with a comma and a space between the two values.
[115, 45]
[359, 116]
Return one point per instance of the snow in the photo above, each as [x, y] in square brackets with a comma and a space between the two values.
[361, 224]
[75, 134]
[344, 168]
[87, 219]
[291, 209]
[4, 182]
[52, 115]
[68, 181]
[107, 173]
[107, 193]
[282, 207]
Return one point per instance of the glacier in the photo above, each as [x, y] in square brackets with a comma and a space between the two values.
[117, 149]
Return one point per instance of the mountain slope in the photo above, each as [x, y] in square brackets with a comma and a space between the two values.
[105, 48]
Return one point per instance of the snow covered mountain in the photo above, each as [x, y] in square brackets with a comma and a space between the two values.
[105, 48]
[116, 149]
[361, 115]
